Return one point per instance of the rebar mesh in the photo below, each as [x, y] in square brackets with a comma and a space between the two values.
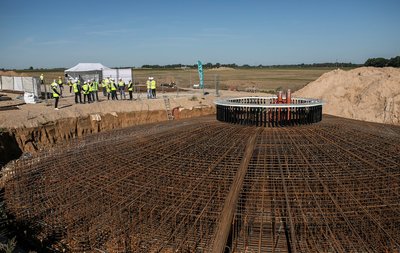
[333, 186]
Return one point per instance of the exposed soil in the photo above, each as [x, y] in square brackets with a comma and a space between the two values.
[367, 93]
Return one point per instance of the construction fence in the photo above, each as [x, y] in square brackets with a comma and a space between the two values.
[21, 84]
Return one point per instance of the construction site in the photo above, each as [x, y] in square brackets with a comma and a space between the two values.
[247, 174]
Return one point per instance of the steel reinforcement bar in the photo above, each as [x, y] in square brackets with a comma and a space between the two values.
[327, 187]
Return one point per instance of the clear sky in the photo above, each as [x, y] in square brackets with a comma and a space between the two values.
[54, 33]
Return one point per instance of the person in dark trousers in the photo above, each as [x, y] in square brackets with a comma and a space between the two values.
[121, 88]
[61, 85]
[56, 93]
[113, 87]
[86, 92]
[153, 87]
[77, 90]
[95, 90]
[70, 84]
[130, 89]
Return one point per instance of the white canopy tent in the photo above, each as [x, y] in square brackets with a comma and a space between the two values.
[85, 71]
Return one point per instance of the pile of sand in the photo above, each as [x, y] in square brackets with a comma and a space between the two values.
[367, 93]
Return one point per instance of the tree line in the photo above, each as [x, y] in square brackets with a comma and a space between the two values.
[382, 62]
[372, 62]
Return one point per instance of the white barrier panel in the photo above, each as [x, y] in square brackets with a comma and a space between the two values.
[18, 83]
[8, 82]
[124, 74]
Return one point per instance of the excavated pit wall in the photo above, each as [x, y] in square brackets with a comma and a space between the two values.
[15, 142]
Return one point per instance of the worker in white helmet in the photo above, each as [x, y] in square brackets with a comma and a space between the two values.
[56, 93]
[148, 84]
[113, 88]
[153, 86]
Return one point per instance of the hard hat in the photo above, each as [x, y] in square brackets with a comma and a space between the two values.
[59, 77]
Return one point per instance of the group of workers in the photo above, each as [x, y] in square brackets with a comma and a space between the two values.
[151, 87]
[90, 89]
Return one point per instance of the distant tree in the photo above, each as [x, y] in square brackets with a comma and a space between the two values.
[208, 65]
[376, 62]
[30, 68]
[394, 62]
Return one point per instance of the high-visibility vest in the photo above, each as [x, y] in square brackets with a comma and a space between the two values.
[90, 87]
[69, 83]
[60, 82]
[121, 83]
[95, 86]
[148, 83]
[85, 88]
[41, 77]
[153, 84]
[76, 88]
[106, 82]
[54, 88]
[130, 86]
[112, 86]
[108, 88]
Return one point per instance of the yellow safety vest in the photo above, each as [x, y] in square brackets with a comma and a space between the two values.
[153, 84]
[41, 77]
[60, 82]
[106, 81]
[112, 84]
[148, 83]
[85, 88]
[95, 86]
[108, 88]
[130, 86]
[122, 83]
[54, 88]
[75, 86]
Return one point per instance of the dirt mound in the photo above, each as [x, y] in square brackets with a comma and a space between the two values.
[367, 93]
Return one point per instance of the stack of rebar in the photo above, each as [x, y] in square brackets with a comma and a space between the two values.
[333, 186]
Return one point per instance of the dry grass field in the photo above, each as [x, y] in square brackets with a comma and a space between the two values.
[264, 80]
